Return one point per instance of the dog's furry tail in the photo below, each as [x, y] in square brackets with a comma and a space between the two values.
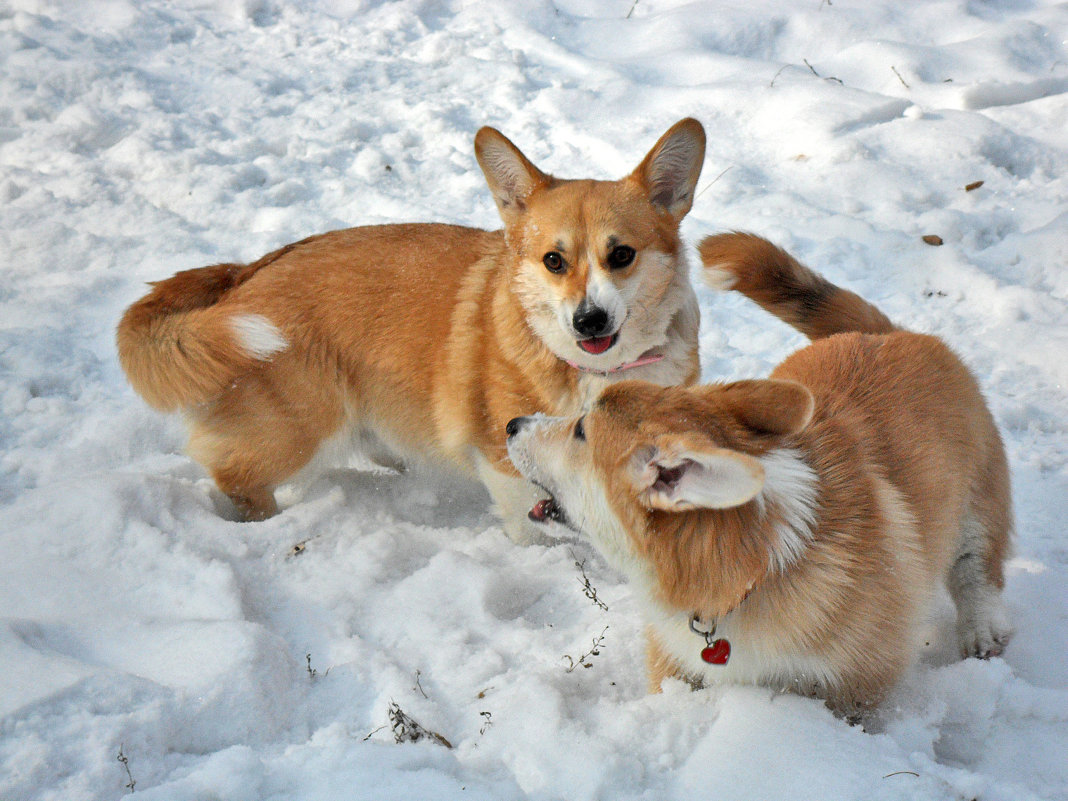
[180, 348]
[778, 283]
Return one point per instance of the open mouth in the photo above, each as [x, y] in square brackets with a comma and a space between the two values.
[596, 345]
[548, 510]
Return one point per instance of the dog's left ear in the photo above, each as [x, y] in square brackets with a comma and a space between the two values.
[682, 473]
[670, 171]
[768, 406]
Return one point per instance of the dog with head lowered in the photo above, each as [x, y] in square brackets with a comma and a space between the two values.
[790, 532]
[420, 341]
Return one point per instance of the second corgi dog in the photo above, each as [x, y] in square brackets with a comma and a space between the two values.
[421, 341]
[790, 531]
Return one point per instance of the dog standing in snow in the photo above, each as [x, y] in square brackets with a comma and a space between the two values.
[790, 531]
[419, 342]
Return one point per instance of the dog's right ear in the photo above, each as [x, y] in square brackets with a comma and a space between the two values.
[510, 175]
[678, 474]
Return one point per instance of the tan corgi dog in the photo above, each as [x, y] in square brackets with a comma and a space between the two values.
[789, 532]
[420, 341]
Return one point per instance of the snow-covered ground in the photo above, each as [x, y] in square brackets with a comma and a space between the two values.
[231, 661]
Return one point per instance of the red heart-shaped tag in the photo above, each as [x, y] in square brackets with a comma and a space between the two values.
[717, 653]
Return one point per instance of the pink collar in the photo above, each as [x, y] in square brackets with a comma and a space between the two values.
[646, 358]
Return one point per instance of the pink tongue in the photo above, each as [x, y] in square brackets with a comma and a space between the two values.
[541, 509]
[596, 345]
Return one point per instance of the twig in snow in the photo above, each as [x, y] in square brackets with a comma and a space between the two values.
[373, 733]
[126, 764]
[588, 589]
[813, 69]
[313, 674]
[899, 772]
[898, 74]
[584, 660]
[632, 7]
[713, 181]
[419, 686]
[487, 721]
[407, 730]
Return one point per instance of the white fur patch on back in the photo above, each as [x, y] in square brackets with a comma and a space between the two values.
[790, 486]
[258, 336]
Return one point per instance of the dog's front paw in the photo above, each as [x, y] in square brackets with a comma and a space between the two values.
[985, 632]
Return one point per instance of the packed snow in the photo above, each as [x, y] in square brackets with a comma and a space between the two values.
[152, 644]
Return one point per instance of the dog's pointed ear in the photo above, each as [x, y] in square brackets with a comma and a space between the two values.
[769, 406]
[510, 175]
[670, 171]
[678, 474]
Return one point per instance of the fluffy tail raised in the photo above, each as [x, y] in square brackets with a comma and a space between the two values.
[180, 348]
[778, 283]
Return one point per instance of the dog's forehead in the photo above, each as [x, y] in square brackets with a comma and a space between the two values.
[622, 417]
[629, 403]
[574, 216]
[641, 409]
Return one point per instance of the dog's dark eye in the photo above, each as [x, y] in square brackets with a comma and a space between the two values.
[620, 257]
[553, 262]
[580, 430]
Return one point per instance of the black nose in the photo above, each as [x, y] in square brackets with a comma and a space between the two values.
[590, 320]
[514, 425]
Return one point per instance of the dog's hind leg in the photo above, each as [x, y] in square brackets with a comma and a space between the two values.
[253, 504]
[259, 434]
[231, 459]
[247, 469]
[976, 576]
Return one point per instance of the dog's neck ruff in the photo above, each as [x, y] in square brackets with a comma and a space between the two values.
[649, 357]
[792, 486]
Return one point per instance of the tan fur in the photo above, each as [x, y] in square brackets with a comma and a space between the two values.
[773, 279]
[424, 338]
[879, 443]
